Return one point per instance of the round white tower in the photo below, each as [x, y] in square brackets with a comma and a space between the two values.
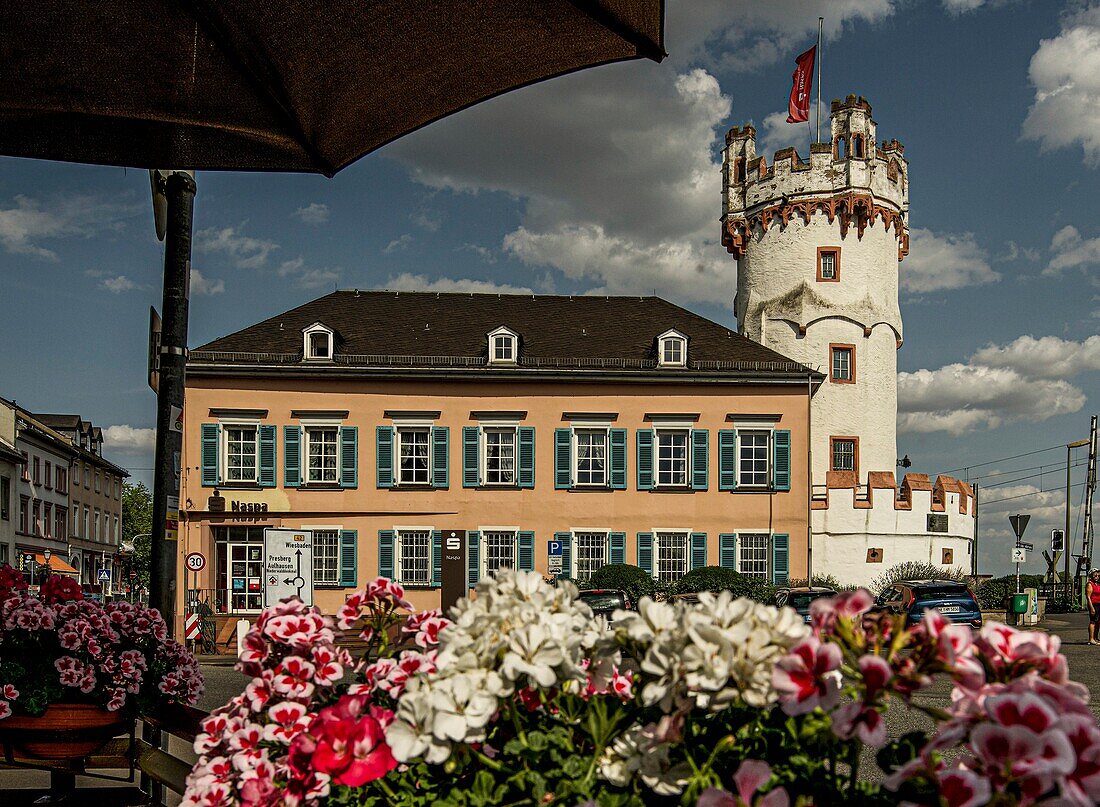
[818, 246]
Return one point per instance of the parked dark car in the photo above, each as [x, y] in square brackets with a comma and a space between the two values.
[913, 597]
[800, 597]
[605, 601]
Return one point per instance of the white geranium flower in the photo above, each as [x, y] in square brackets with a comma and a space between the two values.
[534, 652]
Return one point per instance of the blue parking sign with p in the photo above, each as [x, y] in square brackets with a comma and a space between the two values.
[553, 548]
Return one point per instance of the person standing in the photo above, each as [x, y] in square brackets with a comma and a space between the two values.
[1092, 597]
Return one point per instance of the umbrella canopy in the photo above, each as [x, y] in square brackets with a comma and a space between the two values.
[281, 85]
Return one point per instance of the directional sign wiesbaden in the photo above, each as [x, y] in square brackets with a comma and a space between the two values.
[288, 565]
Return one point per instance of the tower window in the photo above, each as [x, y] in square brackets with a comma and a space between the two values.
[844, 453]
[842, 364]
[840, 148]
[857, 147]
[828, 264]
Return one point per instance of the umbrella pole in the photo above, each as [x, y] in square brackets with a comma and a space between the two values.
[179, 188]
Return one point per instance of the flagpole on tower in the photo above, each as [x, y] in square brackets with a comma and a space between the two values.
[820, 22]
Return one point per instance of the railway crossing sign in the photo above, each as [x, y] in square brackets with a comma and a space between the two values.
[288, 565]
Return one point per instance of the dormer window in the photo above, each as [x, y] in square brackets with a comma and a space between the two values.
[672, 349]
[318, 342]
[503, 346]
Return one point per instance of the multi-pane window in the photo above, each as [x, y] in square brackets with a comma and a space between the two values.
[26, 472]
[24, 508]
[672, 457]
[62, 479]
[672, 555]
[240, 451]
[319, 345]
[87, 533]
[60, 517]
[752, 554]
[500, 456]
[47, 473]
[844, 454]
[76, 520]
[591, 456]
[504, 348]
[95, 527]
[5, 498]
[37, 471]
[47, 520]
[414, 557]
[752, 462]
[326, 557]
[841, 363]
[672, 351]
[36, 515]
[87, 478]
[500, 550]
[591, 552]
[115, 534]
[321, 454]
[414, 466]
[97, 481]
[827, 265]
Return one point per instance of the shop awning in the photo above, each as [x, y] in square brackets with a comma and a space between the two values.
[57, 565]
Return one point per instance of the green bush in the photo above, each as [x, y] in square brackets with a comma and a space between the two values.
[916, 570]
[991, 593]
[719, 578]
[634, 580]
[822, 581]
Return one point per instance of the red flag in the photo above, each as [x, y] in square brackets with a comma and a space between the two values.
[798, 108]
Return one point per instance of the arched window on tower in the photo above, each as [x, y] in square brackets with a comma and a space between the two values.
[738, 170]
[840, 148]
[857, 146]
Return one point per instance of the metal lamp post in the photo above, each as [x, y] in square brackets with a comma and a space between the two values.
[1069, 543]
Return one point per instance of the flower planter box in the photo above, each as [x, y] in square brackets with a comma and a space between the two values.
[64, 731]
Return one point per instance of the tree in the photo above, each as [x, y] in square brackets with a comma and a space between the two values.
[137, 523]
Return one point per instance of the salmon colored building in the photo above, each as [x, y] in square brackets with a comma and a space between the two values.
[629, 429]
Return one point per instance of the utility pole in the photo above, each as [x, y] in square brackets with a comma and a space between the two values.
[974, 549]
[1090, 491]
[173, 206]
[1069, 535]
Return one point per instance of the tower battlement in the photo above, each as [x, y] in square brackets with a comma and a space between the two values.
[850, 176]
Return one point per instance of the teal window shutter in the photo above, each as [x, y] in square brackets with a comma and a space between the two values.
[645, 552]
[471, 466]
[384, 464]
[617, 438]
[385, 554]
[563, 459]
[267, 456]
[441, 445]
[210, 474]
[349, 456]
[349, 561]
[698, 550]
[645, 459]
[473, 557]
[781, 459]
[780, 558]
[292, 456]
[437, 558]
[727, 459]
[566, 539]
[526, 435]
[700, 460]
[616, 547]
[727, 550]
[525, 556]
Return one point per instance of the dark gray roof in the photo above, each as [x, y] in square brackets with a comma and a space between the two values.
[419, 328]
[60, 421]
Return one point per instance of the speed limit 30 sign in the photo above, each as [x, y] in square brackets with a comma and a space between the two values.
[196, 561]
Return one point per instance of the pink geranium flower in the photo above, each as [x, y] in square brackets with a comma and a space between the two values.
[807, 677]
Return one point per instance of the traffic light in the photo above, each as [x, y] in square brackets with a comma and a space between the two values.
[1057, 540]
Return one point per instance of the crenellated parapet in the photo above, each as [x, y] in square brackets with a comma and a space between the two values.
[917, 493]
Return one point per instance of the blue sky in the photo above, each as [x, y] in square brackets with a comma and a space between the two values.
[609, 181]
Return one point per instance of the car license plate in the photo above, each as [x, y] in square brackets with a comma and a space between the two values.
[949, 609]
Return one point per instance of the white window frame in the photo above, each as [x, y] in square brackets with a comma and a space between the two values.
[399, 555]
[408, 428]
[672, 336]
[307, 426]
[483, 547]
[742, 538]
[686, 432]
[834, 442]
[678, 532]
[505, 337]
[483, 437]
[769, 436]
[307, 342]
[575, 554]
[576, 455]
[832, 254]
[315, 528]
[223, 450]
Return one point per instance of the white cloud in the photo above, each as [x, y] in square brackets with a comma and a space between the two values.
[245, 251]
[410, 282]
[308, 277]
[429, 220]
[398, 244]
[484, 253]
[1065, 72]
[313, 213]
[29, 222]
[128, 440]
[202, 286]
[966, 6]
[1014, 251]
[1045, 357]
[118, 284]
[775, 133]
[1071, 251]
[940, 262]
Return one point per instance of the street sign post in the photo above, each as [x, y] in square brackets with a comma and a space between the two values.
[1019, 555]
[554, 555]
[288, 565]
[1019, 552]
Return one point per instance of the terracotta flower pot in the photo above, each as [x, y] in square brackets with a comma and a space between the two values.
[64, 731]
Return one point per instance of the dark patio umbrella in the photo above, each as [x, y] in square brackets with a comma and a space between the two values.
[268, 85]
[281, 85]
